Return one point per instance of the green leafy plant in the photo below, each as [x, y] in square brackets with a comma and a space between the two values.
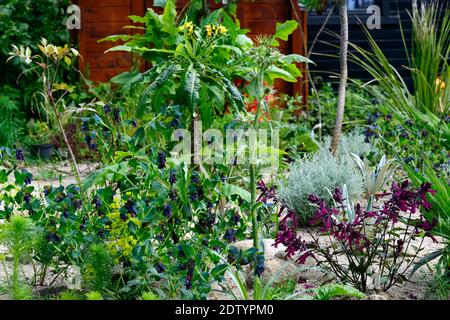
[97, 268]
[46, 66]
[11, 119]
[330, 291]
[38, 133]
[19, 235]
[438, 213]
[21, 24]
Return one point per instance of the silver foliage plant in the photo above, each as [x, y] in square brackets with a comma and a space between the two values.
[317, 174]
[352, 142]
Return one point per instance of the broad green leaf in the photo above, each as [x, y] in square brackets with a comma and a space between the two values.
[330, 291]
[137, 19]
[192, 88]
[231, 189]
[275, 72]
[234, 93]
[127, 77]
[169, 17]
[120, 48]
[284, 30]
[117, 37]
[155, 85]
[291, 58]
[218, 271]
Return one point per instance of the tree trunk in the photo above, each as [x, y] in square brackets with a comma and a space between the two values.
[342, 6]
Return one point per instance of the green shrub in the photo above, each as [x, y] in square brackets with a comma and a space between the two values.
[25, 22]
[11, 119]
[319, 174]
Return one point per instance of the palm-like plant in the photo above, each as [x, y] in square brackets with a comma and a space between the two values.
[429, 57]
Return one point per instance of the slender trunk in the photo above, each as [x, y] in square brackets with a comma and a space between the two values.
[63, 132]
[342, 6]
[253, 176]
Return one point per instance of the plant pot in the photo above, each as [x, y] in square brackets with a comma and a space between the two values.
[44, 151]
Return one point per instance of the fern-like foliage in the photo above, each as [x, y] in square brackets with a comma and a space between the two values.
[20, 236]
[97, 269]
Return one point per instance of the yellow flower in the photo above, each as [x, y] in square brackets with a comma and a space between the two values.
[440, 84]
[189, 26]
[209, 30]
[63, 87]
[221, 29]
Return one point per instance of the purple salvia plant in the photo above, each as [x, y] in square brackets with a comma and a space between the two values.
[366, 240]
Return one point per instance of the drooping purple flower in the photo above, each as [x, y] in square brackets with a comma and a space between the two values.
[167, 210]
[130, 207]
[259, 263]
[173, 195]
[235, 218]
[398, 247]
[230, 235]
[195, 179]
[52, 237]
[27, 198]
[101, 233]
[77, 203]
[388, 117]
[20, 155]
[97, 202]
[174, 123]
[47, 190]
[116, 115]
[123, 216]
[107, 108]
[424, 132]
[172, 178]
[60, 197]
[412, 296]
[373, 118]
[313, 198]
[188, 280]
[160, 268]
[161, 160]
[28, 177]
